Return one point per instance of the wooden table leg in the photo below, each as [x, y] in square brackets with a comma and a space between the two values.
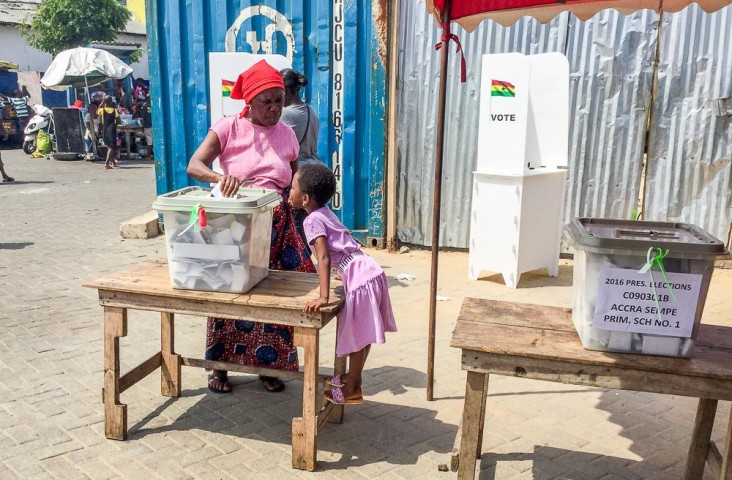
[115, 413]
[305, 428]
[455, 460]
[726, 473]
[473, 414]
[171, 363]
[703, 424]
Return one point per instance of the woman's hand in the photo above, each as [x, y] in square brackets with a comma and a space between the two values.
[313, 306]
[229, 185]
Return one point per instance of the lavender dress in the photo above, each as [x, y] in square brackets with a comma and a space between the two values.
[367, 313]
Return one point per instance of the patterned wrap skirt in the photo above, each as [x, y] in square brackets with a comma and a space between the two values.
[257, 344]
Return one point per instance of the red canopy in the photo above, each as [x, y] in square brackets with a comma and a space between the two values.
[469, 13]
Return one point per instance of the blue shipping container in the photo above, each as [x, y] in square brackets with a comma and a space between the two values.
[339, 45]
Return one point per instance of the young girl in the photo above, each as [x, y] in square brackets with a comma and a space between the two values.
[367, 312]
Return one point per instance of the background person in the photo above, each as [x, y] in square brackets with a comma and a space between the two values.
[92, 122]
[144, 112]
[304, 121]
[255, 146]
[109, 118]
[141, 91]
[6, 177]
[300, 116]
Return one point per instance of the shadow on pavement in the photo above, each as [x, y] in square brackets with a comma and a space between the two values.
[26, 182]
[371, 432]
[536, 278]
[15, 246]
[556, 463]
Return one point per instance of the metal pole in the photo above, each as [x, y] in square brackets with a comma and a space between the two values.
[91, 126]
[437, 196]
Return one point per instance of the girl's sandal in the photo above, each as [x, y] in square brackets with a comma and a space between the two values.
[334, 381]
[335, 396]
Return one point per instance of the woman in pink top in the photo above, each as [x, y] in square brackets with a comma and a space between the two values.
[255, 147]
[367, 313]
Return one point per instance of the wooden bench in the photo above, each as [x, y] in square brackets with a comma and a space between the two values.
[540, 343]
[277, 299]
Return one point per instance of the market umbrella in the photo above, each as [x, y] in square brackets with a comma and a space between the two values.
[83, 67]
[468, 14]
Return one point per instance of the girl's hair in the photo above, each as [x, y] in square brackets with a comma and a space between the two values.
[318, 181]
[293, 79]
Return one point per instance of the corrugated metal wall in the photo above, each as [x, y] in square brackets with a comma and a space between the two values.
[690, 152]
[611, 77]
[417, 110]
[351, 107]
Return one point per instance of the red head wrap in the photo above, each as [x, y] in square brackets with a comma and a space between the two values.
[259, 77]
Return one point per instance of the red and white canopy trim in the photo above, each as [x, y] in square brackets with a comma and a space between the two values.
[469, 13]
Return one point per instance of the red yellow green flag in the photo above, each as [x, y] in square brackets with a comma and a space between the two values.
[226, 87]
[499, 88]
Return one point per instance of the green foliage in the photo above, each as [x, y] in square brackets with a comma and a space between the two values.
[136, 56]
[62, 24]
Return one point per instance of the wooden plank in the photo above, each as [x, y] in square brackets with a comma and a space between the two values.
[455, 459]
[474, 399]
[139, 372]
[281, 289]
[560, 371]
[516, 314]
[699, 448]
[115, 413]
[236, 367]
[325, 413]
[305, 428]
[170, 382]
[190, 306]
[714, 460]
[553, 344]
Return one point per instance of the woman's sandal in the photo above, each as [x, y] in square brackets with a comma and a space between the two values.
[335, 396]
[272, 384]
[223, 381]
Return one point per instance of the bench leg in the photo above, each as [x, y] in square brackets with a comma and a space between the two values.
[305, 428]
[703, 424]
[476, 388]
[115, 413]
[171, 363]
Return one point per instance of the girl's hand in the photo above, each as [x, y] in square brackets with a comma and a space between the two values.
[313, 306]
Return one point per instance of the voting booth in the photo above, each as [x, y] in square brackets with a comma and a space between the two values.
[521, 170]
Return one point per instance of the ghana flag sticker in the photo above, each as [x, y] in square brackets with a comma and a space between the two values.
[226, 87]
[499, 88]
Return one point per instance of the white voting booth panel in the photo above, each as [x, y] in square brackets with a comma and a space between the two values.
[224, 68]
[519, 182]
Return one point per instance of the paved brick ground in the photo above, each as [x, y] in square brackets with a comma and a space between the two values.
[59, 228]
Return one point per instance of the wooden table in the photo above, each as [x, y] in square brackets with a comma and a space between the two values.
[128, 130]
[279, 298]
[540, 343]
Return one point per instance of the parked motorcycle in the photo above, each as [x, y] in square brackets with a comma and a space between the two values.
[40, 121]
